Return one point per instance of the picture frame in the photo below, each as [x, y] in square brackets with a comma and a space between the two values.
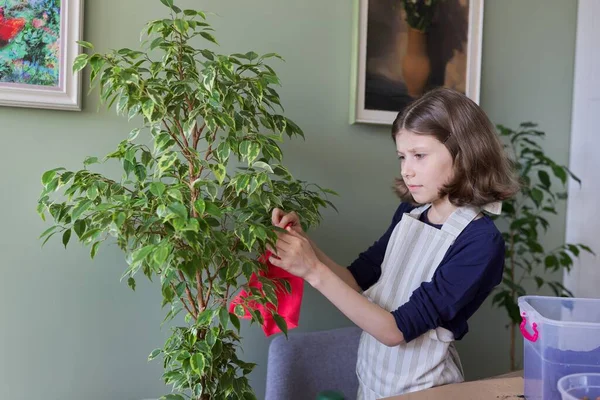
[383, 38]
[38, 45]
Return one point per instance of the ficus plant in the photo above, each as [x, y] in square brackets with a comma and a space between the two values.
[201, 172]
[528, 263]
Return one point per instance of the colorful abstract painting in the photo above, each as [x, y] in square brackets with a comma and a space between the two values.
[30, 42]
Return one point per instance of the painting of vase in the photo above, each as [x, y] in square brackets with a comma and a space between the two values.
[397, 63]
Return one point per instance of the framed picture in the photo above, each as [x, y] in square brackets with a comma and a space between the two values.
[403, 48]
[38, 44]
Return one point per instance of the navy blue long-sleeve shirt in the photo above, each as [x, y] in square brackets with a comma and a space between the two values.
[469, 271]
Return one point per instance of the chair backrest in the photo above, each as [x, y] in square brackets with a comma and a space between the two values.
[310, 362]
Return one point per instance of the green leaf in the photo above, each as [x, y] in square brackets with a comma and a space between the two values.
[48, 231]
[188, 127]
[163, 141]
[212, 190]
[85, 44]
[148, 109]
[242, 182]
[157, 188]
[140, 172]
[209, 55]
[168, 3]
[81, 208]
[575, 178]
[119, 218]
[539, 281]
[224, 317]
[219, 171]
[537, 196]
[94, 249]
[131, 283]
[263, 165]
[205, 317]
[573, 249]
[48, 238]
[544, 178]
[234, 319]
[565, 259]
[80, 62]
[127, 166]
[171, 396]
[223, 152]
[142, 253]
[586, 248]
[156, 42]
[251, 55]
[239, 311]
[161, 254]
[90, 160]
[200, 206]
[181, 25]
[167, 160]
[92, 192]
[65, 238]
[198, 363]
[91, 234]
[280, 323]
[179, 210]
[560, 173]
[253, 152]
[209, 37]
[79, 227]
[176, 194]
[213, 209]
[551, 261]
[47, 177]
[244, 148]
[535, 246]
[155, 353]
[249, 396]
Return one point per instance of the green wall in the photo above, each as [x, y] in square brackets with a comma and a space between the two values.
[70, 330]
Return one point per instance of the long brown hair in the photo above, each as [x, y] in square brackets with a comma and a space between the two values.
[482, 171]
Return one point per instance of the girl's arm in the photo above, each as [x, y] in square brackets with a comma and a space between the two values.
[343, 273]
[296, 255]
[282, 219]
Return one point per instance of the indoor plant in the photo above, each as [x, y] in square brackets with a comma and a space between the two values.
[524, 219]
[201, 173]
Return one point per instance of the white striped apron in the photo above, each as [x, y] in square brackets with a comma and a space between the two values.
[414, 252]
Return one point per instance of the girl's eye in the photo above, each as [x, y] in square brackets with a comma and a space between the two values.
[401, 158]
[419, 156]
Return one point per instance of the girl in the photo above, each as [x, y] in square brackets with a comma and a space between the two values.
[438, 260]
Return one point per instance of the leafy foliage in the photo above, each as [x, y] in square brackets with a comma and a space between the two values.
[192, 207]
[543, 186]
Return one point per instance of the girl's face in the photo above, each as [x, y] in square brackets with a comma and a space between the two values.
[426, 165]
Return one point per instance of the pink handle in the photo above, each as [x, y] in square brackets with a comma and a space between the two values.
[527, 335]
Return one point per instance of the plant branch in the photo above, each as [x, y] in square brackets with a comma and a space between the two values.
[195, 315]
[197, 135]
[199, 295]
[189, 293]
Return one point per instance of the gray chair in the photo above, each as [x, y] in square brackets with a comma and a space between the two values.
[309, 362]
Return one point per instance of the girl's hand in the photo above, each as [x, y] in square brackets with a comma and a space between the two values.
[281, 219]
[294, 254]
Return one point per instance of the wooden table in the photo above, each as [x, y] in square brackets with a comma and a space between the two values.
[506, 386]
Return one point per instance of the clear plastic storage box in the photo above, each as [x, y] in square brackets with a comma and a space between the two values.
[561, 337]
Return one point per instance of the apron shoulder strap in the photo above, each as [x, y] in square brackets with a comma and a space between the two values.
[419, 210]
[459, 219]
